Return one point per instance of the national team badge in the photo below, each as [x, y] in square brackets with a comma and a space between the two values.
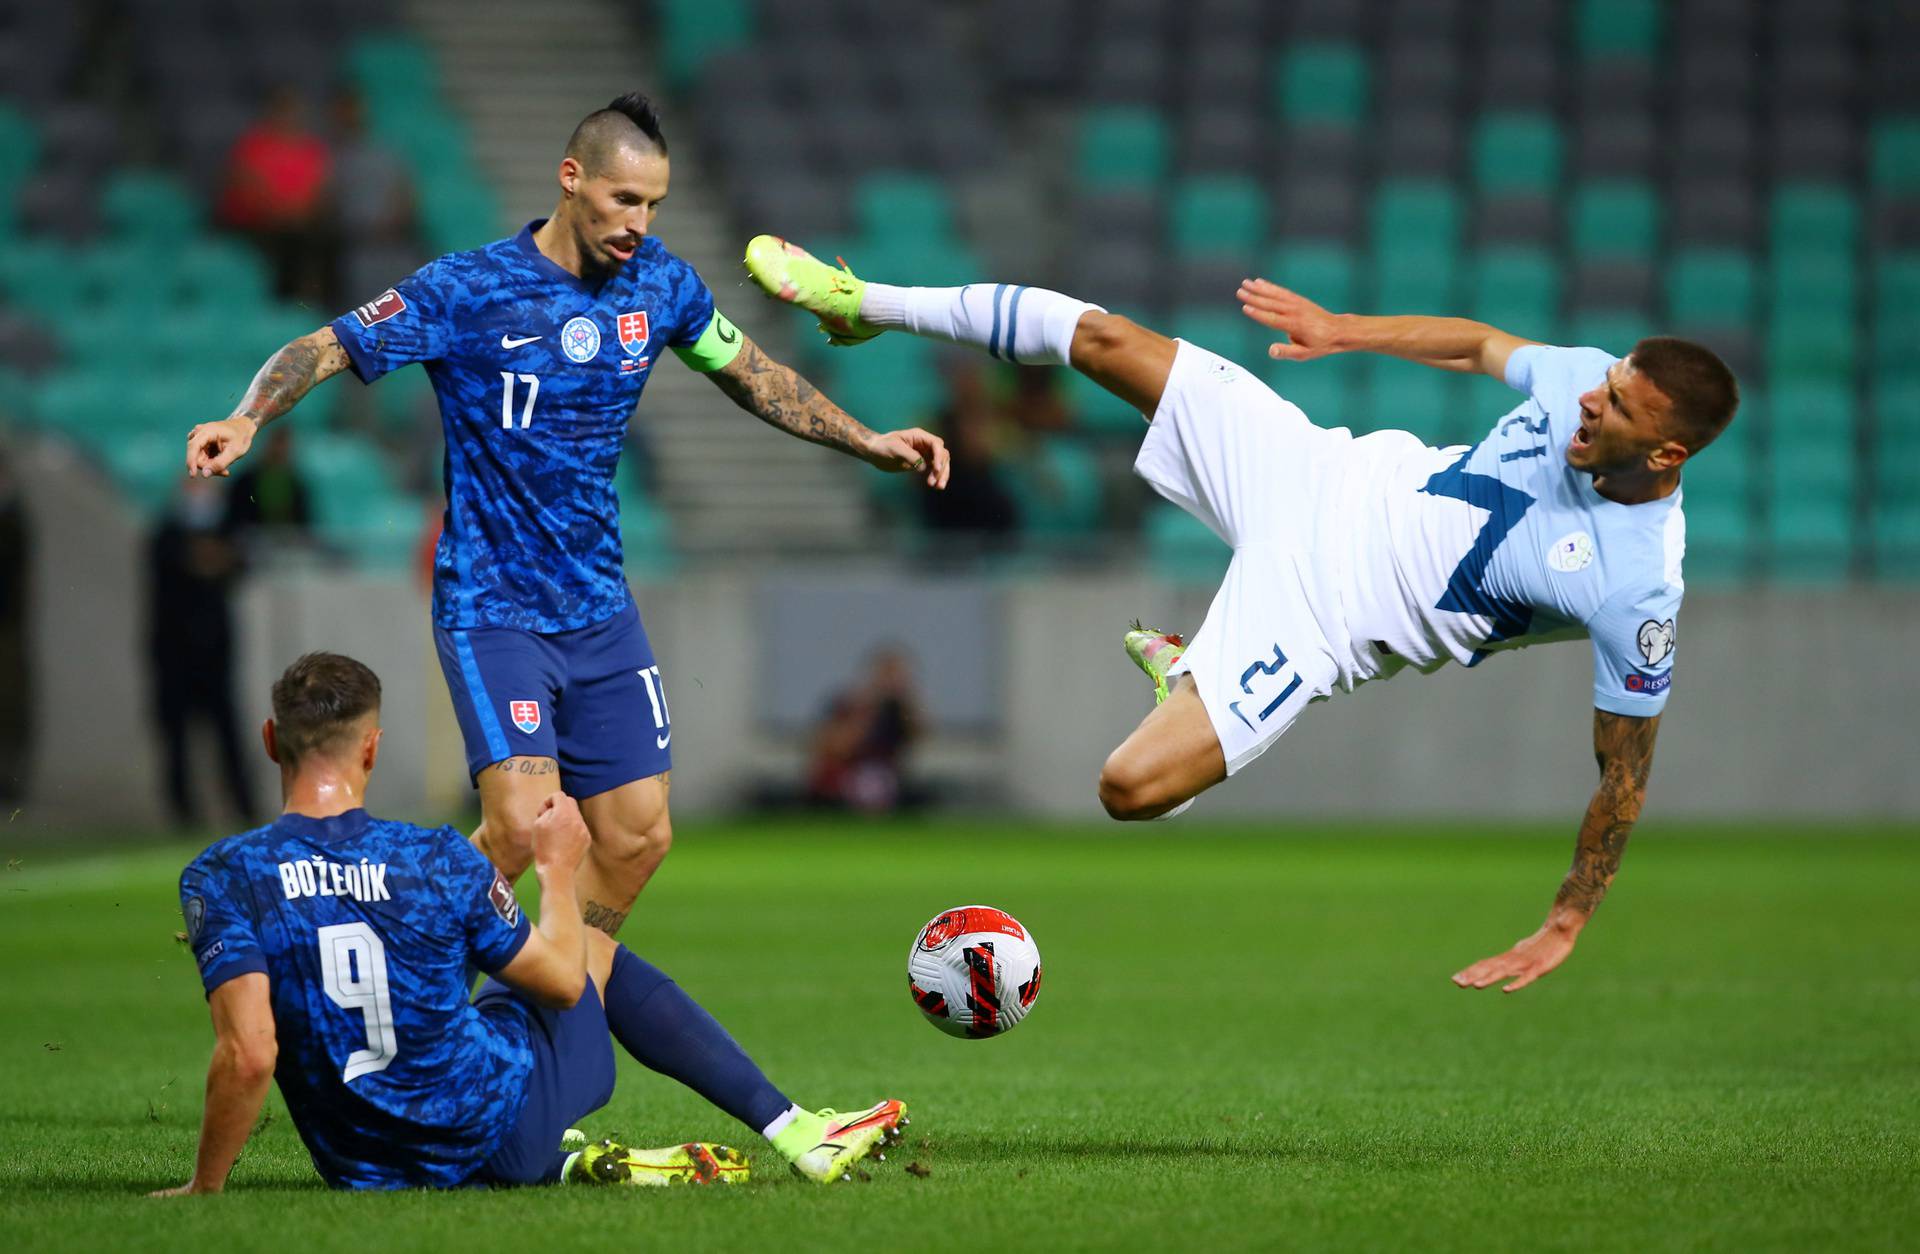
[526, 715]
[1571, 553]
[633, 332]
[380, 308]
[580, 339]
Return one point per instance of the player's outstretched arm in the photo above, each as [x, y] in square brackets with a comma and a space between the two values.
[551, 967]
[287, 376]
[245, 1049]
[1623, 744]
[1443, 343]
[778, 396]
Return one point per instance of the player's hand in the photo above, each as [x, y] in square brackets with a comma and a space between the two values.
[214, 446]
[912, 451]
[1527, 961]
[560, 836]
[1308, 327]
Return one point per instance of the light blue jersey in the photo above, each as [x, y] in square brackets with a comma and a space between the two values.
[1464, 552]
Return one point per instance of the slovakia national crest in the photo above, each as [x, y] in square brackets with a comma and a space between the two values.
[580, 339]
[526, 715]
[633, 332]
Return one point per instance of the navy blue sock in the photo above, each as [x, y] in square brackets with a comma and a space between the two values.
[667, 1031]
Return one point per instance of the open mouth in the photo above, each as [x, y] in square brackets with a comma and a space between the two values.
[1582, 438]
[622, 250]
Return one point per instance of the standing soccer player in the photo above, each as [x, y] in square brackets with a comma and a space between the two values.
[538, 347]
[1354, 559]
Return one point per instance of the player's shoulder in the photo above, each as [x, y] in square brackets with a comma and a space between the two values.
[1647, 549]
[228, 852]
[1537, 367]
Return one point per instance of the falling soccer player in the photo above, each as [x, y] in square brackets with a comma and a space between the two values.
[1356, 558]
[538, 347]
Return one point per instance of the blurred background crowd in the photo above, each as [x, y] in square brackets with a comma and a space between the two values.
[187, 184]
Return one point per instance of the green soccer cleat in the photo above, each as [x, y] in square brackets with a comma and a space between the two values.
[1154, 652]
[610, 1162]
[835, 1142]
[788, 272]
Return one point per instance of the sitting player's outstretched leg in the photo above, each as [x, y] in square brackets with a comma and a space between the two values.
[664, 1029]
[1027, 326]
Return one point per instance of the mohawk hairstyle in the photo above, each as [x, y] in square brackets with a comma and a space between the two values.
[627, 119]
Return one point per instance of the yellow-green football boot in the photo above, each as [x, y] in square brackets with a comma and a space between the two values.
[609, 1162]
[1154, 652]
[788, 272]
[824, 1145]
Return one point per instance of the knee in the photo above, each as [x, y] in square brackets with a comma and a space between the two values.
[1126, 791]
[633, 847]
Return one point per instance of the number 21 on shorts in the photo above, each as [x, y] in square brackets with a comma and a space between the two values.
[1276, 678]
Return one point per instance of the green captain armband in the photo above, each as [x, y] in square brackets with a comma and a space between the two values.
[716, 348]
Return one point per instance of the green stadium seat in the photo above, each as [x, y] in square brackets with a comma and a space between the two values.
[1814, 346]
[1814, 217]
[1615, 219]
[1181, 549]
[693, 31]
[1896, 410]
[222, 275]
[1517, 289]
[1483, 401]
[149, 209]
[40, 274]
[1810, 538]
[1814, 282]
[1218, 215]
[458, 211]
[1323, 273]
[1057, 486]
[1896, 313]
[434, 142]
[146, 467]
[1224, 331]
[1099, 411]
[1722, 536]
[1415, 281]
[1402, 396]
[393, 71]
[1422, 213]
[1895, 163]
[1321, 82]
[1123, 147]
[903, 206]
[896, 376]
[1616, 331]
[1896, 469]
[1517, 152]
[1722, 474]
[1711, 287]
[1896, 282]
[1323, 389]
[1813, 410]
[19, 145]
[1618, 28]
[1895, 541]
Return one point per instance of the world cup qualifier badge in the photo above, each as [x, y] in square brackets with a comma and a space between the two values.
[525, 715]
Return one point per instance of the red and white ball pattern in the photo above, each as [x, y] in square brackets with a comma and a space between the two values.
[974, 971]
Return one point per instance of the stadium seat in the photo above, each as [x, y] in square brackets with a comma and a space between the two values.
[149, 209]
[1123, 147]
[1895, 164]
[1896, 410]
[1323, 273]
[1181, 549]
[1057, 487]
[1516, 289]
[1814, 216]
[1814, 281]
[1896, 469]
[904, 206]
[1810, 517]
[694, 31]
[1410, 280]
[1710, 287]
[1403, 396]
[1613, 330]
[1222, 215]
[1810, 346]
[393, 71]
[1604, 28]
[1223, 331]
[1323, 389]
[219, 274]
[1895, 541]
[1322, 82]
[1517, 152]
[1422, 212]
[1613, 220]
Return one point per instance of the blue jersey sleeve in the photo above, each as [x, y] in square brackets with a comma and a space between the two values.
[483, 900]
[1634, 637]
[220, 927]
[412, 322]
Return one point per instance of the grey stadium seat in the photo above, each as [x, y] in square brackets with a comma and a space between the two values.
[1820, 144]
[1225, 140]
[1519, 76]
[1419, 143]
[1719, 211]
[1419, 77]
[1612, 144]
[1517, 220]
[1318, 207]
[1718, 144]
[1614, 284]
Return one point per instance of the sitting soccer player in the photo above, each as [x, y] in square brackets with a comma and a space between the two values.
[335, 949]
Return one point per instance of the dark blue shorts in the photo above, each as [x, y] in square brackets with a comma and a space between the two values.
[572, 1077]
[592, 699]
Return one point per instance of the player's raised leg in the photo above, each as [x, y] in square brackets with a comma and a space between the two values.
[1012, 322]
[1172, 757]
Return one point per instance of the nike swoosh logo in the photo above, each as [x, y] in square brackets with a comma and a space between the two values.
[507, 341]
[660, 742]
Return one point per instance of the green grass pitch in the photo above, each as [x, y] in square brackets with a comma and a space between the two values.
[1247, 1039]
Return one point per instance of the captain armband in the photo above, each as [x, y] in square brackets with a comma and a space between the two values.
[716, 348]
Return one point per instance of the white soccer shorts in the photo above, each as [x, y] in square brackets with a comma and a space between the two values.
[1246, 462]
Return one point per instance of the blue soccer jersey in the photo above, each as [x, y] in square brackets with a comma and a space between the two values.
[365, 930]
[537, 372]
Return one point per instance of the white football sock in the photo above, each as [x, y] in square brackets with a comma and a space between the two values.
[780, 1122]
[1028, 326]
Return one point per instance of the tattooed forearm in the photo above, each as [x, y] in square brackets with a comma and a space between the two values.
[605, 918]
[290, 374]
[1623, 746]
[779, 397]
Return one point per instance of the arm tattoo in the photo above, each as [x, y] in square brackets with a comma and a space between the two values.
[1623, 746]
[290, 374]
[603, 917]
[778, 396]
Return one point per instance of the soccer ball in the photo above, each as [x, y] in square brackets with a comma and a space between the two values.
[974, 971]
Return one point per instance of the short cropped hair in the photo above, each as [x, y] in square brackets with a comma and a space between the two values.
[626, 119]
[1702, 389]
[317, 700]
